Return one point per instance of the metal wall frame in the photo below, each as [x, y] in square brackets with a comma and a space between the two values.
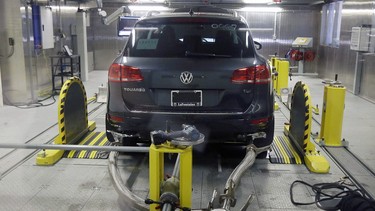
[342, 60]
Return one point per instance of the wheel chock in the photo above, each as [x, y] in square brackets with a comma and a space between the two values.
[314, 161]
[299, 129]
[72, 120]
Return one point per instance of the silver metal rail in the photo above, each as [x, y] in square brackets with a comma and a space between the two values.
[75, 147]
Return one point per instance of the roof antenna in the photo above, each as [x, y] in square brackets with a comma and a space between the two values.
[191, 12]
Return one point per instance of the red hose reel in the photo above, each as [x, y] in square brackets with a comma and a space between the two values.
[298, 55]
[309, 56]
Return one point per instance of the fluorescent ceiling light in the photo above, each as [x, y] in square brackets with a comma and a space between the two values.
[150, 1]
[147, 8]
[355, 3]
[261, 9]
[358, 11]
[65, 8]
[147, 1]
[257, 1]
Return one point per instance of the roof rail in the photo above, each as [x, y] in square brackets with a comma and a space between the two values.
[213, 13]
[207, 10]
[152, 13]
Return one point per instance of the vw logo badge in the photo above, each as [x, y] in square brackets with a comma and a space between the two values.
[186, 77]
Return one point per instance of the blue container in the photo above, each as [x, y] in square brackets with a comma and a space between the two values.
[37, 29]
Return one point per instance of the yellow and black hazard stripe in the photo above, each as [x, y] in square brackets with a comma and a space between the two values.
[91, 139]
[300, 128]
[301, 116]
[282, 151]
[62, 105]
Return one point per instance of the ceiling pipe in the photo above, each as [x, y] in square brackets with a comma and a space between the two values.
[114, 16]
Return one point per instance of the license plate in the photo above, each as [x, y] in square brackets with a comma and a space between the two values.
[181, 98]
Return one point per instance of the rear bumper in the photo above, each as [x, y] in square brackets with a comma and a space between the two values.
[224, 127]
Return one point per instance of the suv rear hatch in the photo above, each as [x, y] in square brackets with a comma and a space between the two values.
[191, 85]
[189, 64]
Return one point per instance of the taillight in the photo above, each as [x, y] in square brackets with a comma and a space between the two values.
[259, 121]
[123, 73]
[116, 119]
[258, 74]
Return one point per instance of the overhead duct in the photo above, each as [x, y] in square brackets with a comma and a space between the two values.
[114, 16]
[99, 3]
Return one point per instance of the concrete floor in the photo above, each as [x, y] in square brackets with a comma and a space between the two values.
[82, 184]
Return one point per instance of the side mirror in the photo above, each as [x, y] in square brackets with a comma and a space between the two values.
[258, 46]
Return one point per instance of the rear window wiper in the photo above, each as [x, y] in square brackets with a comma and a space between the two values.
[188, 53]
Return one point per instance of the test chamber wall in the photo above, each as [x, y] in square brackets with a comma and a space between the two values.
[342, 60]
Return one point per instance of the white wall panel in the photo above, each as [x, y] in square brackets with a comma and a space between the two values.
[16, 80]
[46, 21]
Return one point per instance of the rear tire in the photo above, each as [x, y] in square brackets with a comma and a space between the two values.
[110, 137]
[262, 142]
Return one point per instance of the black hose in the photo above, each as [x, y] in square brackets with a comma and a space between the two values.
[335, 196]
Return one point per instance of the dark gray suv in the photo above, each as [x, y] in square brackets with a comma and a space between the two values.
[194, 66]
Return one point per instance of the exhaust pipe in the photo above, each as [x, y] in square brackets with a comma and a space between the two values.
[227, 200]
[125, 194]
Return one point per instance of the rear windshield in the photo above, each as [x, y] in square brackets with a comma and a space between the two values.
[184, 37]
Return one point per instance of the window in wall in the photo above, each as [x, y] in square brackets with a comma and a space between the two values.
[331, 24]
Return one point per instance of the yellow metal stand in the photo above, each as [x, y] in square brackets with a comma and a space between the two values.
[156, 173]
[333, 114]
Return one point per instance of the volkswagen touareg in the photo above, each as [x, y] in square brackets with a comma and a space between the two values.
[196, 66]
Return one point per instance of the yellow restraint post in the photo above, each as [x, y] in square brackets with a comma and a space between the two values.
[156, 173]
[333, 113]
[282, 78]
[272, 64]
